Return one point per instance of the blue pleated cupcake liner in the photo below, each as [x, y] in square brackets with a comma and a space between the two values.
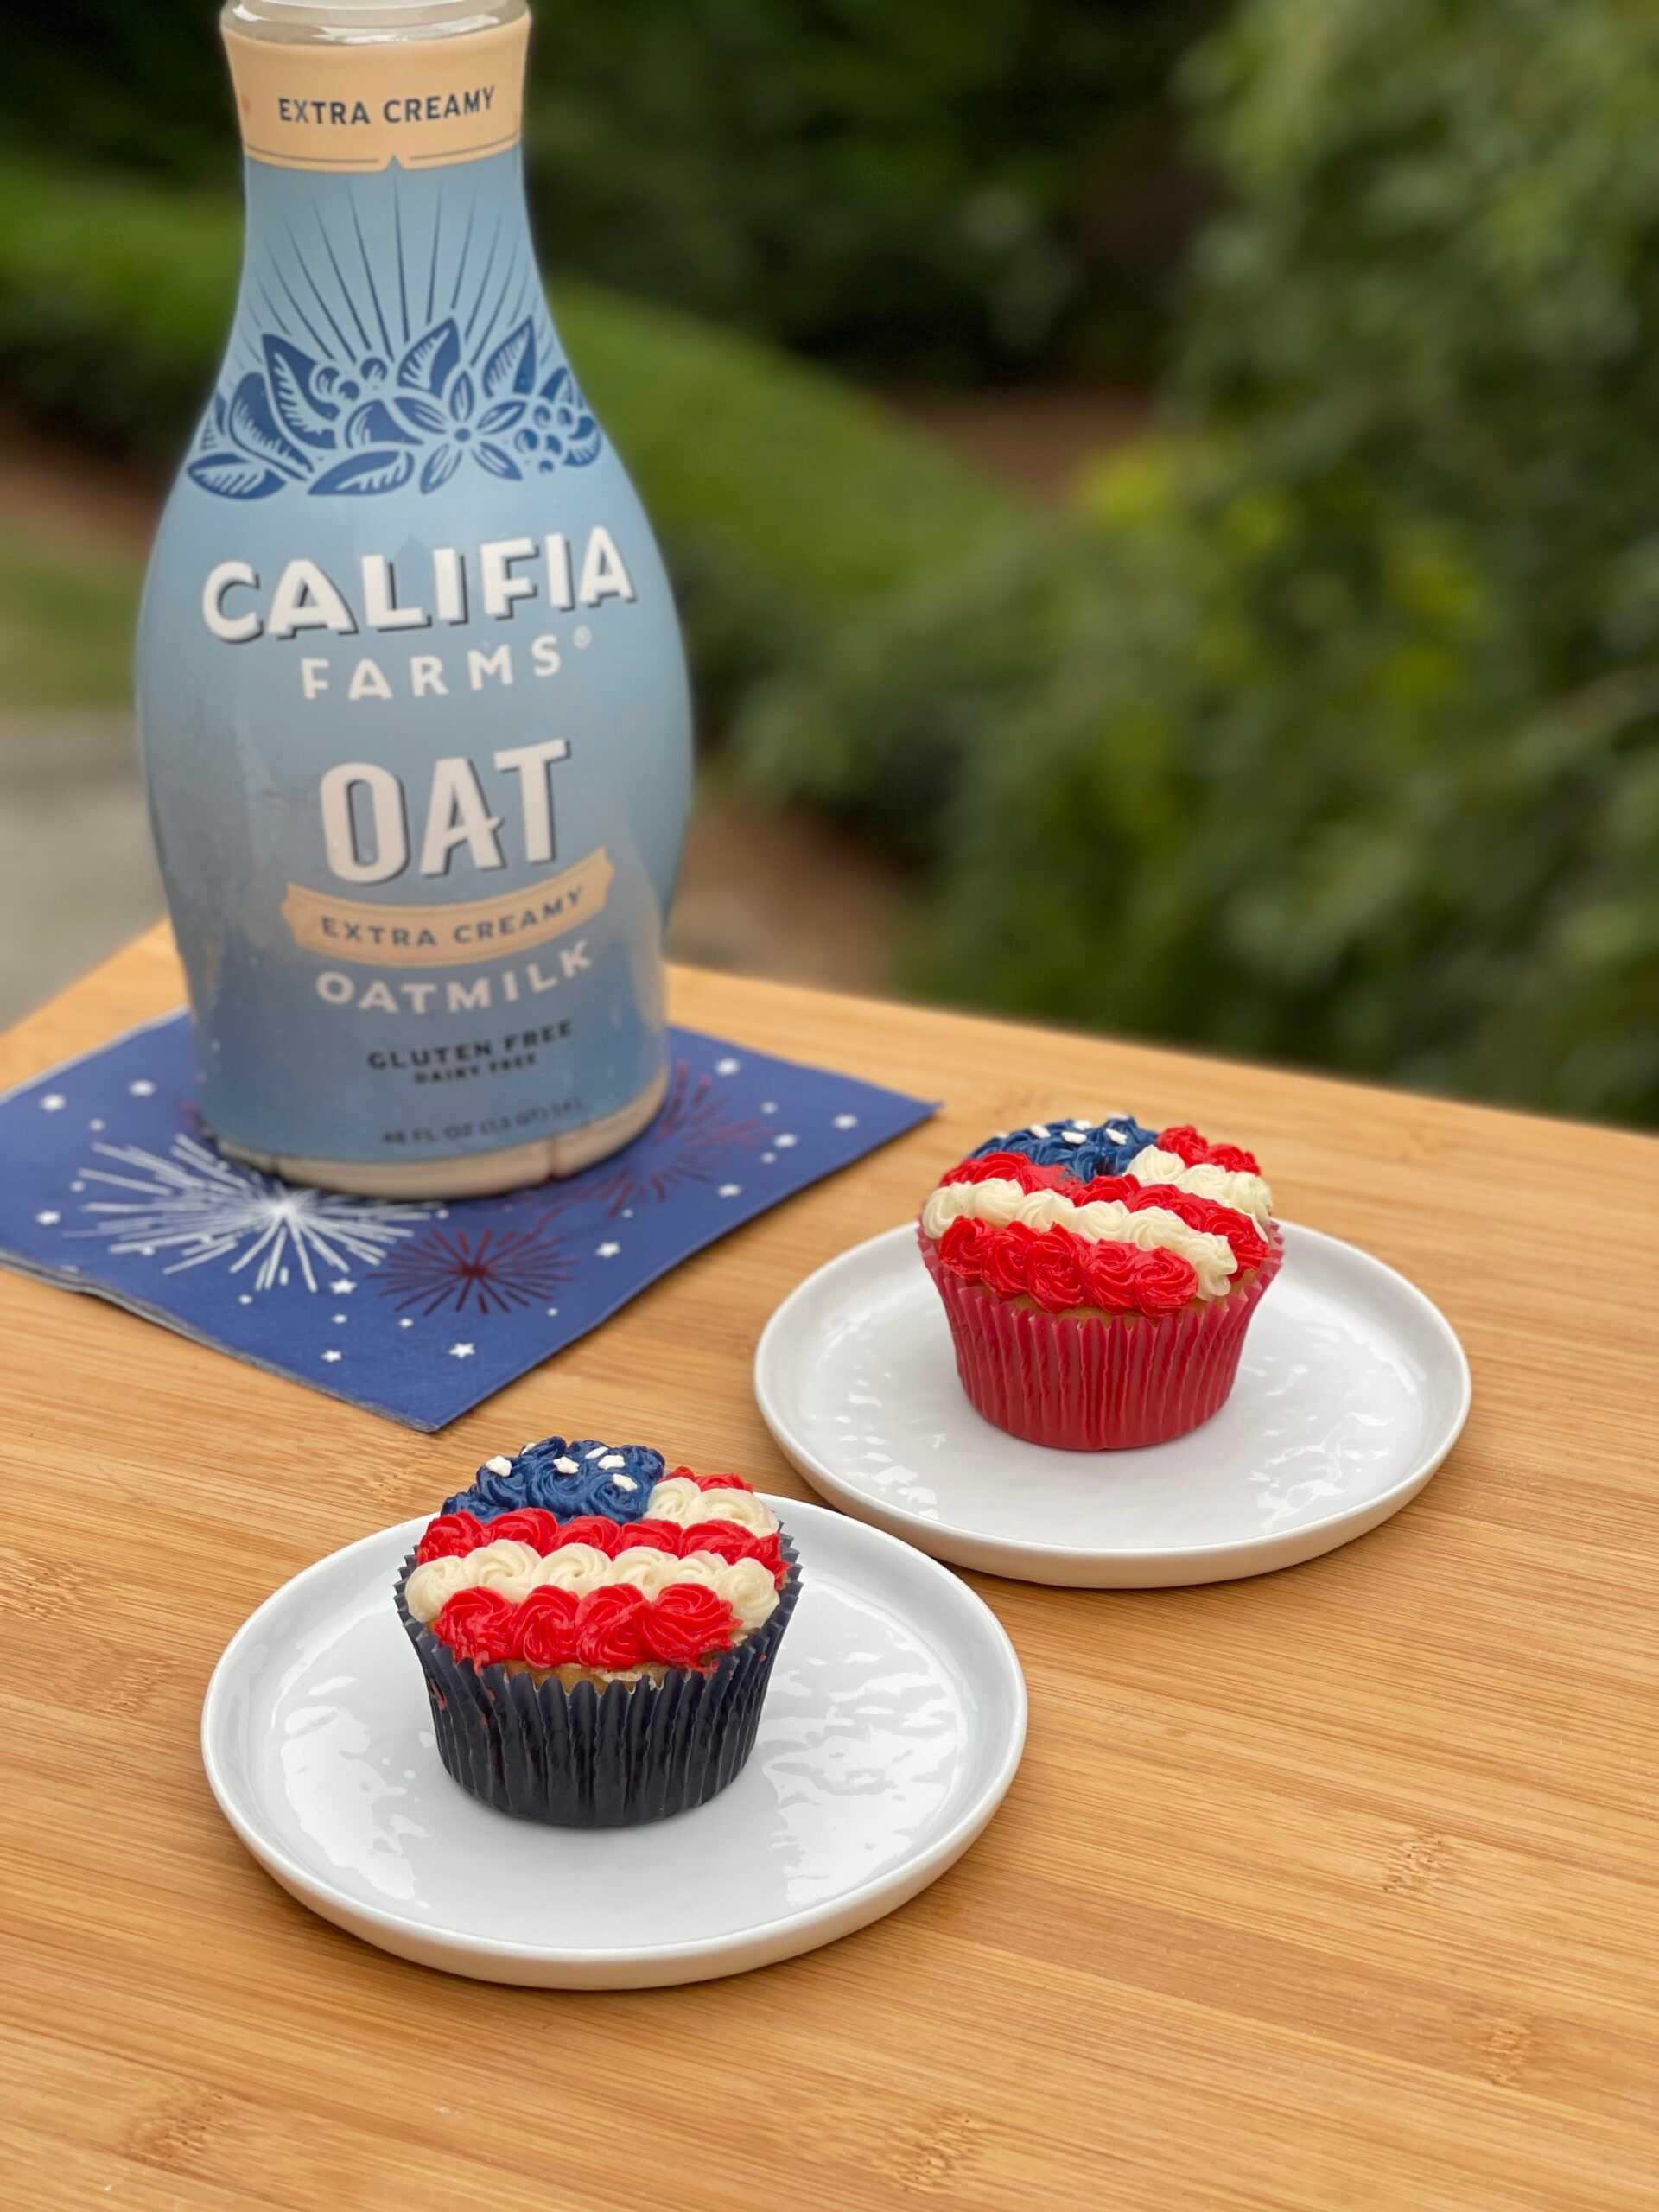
[592, 1758]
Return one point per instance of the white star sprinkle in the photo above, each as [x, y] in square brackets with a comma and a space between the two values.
[500, 1466]
[567, 1466]
[48, 1220]
[846, 1121]
[731, 1190]
[53, 1102]
[95, 1125]
[461, 1351]
[406, 1323]
[340, 1320]
[343, 1287]
[609, 1251]
[768, 1159]
[246, 1298]
[771, 1106]
[552, 1312]
[784, 1142]
[142, 1089]
[334, 1355]
[727, 1066]
[627, 1481]
[613, 1460]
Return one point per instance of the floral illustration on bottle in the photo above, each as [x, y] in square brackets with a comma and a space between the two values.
[368, 429]
[354, 413]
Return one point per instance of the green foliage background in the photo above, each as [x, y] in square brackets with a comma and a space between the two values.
[933, 189]
[1325, 726]
[1331, 735]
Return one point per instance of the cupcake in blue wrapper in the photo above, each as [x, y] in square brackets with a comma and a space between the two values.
[597, 1633]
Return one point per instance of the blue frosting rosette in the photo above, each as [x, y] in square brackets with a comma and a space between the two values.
[567, 1479]
[1084, 1149]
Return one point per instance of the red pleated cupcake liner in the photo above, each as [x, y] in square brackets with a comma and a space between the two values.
[1089, 1384]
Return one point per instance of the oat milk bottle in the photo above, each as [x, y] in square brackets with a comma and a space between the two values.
[412, 697]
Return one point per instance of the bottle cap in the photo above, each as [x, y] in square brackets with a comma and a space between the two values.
[344, 12]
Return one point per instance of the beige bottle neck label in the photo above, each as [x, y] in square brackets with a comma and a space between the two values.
[352, 108]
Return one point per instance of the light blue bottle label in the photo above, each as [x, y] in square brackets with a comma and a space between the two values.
[413, 701]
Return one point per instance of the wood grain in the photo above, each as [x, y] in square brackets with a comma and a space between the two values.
[1332, 1889]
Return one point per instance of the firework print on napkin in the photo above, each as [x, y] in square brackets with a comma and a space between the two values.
[418, 1312]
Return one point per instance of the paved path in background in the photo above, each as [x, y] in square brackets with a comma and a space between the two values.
[77, 875]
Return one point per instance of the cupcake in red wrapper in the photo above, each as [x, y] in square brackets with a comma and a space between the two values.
[1099, 1278]
[597, 1632]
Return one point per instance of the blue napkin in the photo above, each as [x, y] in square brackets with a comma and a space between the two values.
[418, 1312]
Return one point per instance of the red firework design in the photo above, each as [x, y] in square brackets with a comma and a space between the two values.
[696, 1133]
[491, 1271]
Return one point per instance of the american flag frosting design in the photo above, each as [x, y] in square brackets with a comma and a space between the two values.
[596, 1556]
[1107, 1215]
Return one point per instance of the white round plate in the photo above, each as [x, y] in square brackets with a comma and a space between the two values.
[894, 1723]
[1351, 1391]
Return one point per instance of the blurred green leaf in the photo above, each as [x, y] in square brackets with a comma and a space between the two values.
[1333, 732]
[925, 190]
[66, 627]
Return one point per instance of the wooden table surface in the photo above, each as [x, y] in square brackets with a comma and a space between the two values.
[1334, 1889]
